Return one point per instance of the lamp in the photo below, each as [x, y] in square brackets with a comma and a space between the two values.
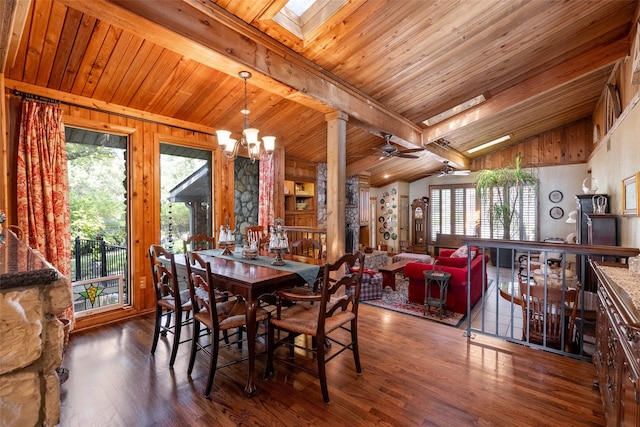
[249, 138]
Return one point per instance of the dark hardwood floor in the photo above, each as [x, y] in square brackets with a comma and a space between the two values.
[415, 373]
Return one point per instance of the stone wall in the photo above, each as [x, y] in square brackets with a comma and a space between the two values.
[352, 220]
[32, 342]
[321, 192]
[247, 194]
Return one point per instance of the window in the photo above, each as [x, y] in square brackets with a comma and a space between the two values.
[453, 210]
[185, 193]
[525, 223]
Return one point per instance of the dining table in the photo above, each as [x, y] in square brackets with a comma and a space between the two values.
[251, 279]
[587, 301]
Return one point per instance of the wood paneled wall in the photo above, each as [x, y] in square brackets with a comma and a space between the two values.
[565, 145]
[144, 185]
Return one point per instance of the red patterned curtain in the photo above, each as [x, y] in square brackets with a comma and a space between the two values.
[265, 210]
[42, 186]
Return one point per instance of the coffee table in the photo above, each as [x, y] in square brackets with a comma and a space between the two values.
[389, 273]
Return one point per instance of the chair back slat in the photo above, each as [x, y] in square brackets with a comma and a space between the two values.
[199, 242]
[165, 280]
[548, 313]
[335, 293]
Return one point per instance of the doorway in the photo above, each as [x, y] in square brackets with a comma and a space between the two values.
[97, 164]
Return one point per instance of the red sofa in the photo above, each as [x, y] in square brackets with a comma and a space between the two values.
[457, 290]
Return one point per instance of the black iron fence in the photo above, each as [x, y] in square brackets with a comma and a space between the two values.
[92, 259]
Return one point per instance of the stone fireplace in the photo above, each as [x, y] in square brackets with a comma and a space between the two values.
[32, 292]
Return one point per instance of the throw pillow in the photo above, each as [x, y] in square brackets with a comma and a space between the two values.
[446, 261]
[461, 252]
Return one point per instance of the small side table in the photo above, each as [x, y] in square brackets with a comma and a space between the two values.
[441, 278]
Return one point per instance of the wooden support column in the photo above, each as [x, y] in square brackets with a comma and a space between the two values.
[4, 154]
[336, 178]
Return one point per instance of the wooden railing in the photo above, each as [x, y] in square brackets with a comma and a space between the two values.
[317, 234]
[495, 308]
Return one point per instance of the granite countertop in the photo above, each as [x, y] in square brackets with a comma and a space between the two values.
[22, 266]
[627, 281]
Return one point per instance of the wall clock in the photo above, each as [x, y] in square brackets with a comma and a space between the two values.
[556, 212]
[555, 196]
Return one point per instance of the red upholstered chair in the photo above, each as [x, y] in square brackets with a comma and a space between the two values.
[457, 289]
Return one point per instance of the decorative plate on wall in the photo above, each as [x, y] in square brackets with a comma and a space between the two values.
[394, 236]
[555, 196]
[556, 212]
[380, 219]
[386, 235]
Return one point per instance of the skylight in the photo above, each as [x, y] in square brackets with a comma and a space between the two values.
[457, 109]
[302, 17]
[299, 7]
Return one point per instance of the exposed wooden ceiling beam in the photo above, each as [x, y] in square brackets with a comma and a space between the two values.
[212, 36]
[364, 164]
[548, 80]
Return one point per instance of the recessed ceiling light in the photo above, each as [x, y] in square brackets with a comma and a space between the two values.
[489, 144]
[457, 109]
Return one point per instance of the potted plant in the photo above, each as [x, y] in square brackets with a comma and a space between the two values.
[502, 188]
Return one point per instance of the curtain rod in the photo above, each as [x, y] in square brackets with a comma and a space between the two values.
[56, 101]
[35, 97]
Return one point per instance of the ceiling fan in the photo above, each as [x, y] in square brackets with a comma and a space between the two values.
[389, 150]
[447, 170]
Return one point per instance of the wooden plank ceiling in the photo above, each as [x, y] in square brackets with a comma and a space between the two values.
[389, 65]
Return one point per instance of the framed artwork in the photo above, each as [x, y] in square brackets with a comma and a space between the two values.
[630, 198]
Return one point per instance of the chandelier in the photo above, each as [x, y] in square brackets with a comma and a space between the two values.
[249, 138]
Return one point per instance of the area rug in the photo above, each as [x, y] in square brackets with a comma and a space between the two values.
[398, 301]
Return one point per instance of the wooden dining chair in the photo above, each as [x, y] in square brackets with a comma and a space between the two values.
[172, 303]
[17, 230]
[199, 242]
[548, 316]
[217, 317]
[334, 309]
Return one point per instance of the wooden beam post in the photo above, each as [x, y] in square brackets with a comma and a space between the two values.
[336, 178]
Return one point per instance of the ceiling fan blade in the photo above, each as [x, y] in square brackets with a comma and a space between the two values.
[411, 150]
[405, 156]
[461, 172]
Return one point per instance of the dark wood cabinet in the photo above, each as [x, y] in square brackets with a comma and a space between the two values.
[617, 350]
[593, 229]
